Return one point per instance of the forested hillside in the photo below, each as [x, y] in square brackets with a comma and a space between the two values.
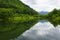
[54, 17]
[17, 7]
[12, 14]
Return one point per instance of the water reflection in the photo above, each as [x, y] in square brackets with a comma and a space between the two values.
[43, 30]
[16, 29]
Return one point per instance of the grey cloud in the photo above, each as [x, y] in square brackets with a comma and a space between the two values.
[31, 1]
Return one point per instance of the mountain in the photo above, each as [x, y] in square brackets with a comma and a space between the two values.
[12, 9]
[17, 6]
[43, 12]
[11, 14]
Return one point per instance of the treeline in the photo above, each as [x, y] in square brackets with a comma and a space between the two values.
[54, 17]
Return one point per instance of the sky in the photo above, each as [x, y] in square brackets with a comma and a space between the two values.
[42, 5]
[41, 31]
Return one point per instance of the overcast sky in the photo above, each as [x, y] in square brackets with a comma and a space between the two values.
[43, 5]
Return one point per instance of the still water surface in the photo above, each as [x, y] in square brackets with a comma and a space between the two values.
[42, 30]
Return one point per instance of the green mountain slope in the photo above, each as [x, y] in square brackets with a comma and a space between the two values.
[12, 14]
[54, 17]
[17, 6]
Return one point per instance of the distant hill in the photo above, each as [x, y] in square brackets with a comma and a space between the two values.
[43, 12]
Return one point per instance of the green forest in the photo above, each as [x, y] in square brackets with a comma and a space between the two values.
[15, 15]
[54, 17]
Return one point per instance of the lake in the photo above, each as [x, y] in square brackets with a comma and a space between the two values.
[42, 30]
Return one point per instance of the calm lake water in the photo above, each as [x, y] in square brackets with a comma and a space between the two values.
[42, 30]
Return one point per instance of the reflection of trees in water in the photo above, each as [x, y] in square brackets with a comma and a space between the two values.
[16, 29]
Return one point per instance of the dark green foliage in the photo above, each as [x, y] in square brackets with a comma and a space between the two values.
[16, 30]
[14, 17]
[18, 6]
[54, 17]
